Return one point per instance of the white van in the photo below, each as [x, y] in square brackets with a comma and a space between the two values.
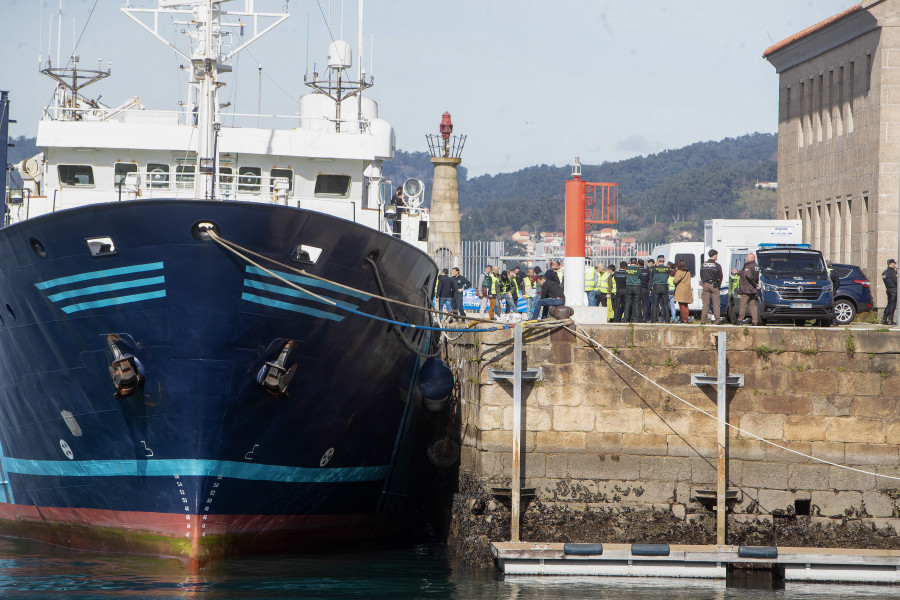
[692, 253]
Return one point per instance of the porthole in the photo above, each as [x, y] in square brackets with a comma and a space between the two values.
[101, 246]
[10, 311]
[37, 247]
[200, 228]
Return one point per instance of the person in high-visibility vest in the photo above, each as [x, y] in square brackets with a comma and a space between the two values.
[603, 277]
[590, 283]
[611, 297]
[671, 281]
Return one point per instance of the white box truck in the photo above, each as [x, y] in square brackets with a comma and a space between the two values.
[741, 235]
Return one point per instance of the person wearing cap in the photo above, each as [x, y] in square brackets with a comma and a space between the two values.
[748, 288]
[711, 278]
[890, 286]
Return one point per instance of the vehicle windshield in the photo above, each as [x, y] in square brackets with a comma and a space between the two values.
[792, 264]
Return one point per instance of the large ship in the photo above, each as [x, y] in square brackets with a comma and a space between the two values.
[201, 341]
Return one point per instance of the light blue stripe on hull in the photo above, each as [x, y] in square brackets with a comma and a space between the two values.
[43, 285]
[292, 307]
[310, 282]
[113, 301]
[277, 289]
[107, 287]
[192, 468]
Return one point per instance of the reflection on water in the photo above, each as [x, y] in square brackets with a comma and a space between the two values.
[30, 570]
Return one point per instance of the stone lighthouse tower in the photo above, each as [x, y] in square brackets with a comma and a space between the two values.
[443, 235]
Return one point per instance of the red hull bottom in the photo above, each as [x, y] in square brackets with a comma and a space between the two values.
[195, 538]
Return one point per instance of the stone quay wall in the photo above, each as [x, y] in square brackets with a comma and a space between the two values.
[612, 458]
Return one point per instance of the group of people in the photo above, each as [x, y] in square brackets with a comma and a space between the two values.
[500, 291]
[660, 291]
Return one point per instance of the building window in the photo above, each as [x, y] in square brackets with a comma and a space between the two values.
[337, 186]
[286, 174]
[158, 175]
[868, 72]
[121, 170]
[249, 179]
[76, 175]
[851, 81]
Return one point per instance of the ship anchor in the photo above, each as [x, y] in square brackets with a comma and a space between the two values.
[124, 369]
[274, 376]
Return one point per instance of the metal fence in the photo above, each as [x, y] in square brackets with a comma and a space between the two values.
[472, 256]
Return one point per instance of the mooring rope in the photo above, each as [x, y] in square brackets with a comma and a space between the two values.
[586, 337]
[216, 238]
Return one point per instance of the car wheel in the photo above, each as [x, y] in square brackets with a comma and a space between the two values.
[844, 312]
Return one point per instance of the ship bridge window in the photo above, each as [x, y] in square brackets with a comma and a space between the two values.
[285, 173]
[158, 174]
[249, 179]
[121, 170]
[336, 186]
[76, 175]
[184, 175]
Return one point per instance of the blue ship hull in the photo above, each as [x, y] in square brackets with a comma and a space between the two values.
[201, 461]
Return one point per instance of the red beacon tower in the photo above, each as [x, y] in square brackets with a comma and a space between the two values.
[587, 204]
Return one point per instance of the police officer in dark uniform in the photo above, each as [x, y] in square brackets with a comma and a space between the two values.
[619, 299]
[659, 301]
[633, 292]
[889, 276]
[646, 288]
[711, 278]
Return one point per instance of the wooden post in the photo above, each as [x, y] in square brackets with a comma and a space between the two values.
[516, 485]
[722, 467]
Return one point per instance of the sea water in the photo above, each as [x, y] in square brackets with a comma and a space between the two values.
[29, 570]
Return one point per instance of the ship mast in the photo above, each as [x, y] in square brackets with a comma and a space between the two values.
[211, 30]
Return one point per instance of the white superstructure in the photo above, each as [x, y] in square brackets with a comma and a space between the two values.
[326, 158]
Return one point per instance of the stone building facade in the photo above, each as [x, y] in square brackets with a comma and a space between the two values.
[839, 134]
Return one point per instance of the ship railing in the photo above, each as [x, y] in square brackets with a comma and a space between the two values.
[186, 117]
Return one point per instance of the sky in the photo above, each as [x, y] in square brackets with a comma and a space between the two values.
[528, 82]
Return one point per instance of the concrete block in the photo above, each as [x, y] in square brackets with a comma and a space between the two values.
[809, 382]
[802, 427]
[688, 446]
[877, 407]
[614, 466]
[490, 417]
[870, 454]
[784, 454]
[784, 404]
[703, 426]
[625, 420]
[568, 418]
[535, 464]
[889, 480]
[704, 470]
[559, 441]
[655, 492]
[844, 479]
[767, 426]
[764, 476]
[830, 451]
[585, 466]
[832, 406]
[536, 419]
[746, 449]
[644, 444]
[775, 500]
[879, 504]
[603, 443]
[666, 422]
[495, 440]
[836, 504]
[679, 511]
[853, 429]
[859, 384]
[665, 469]
[683, 491]
[808, 477]
[557, 466]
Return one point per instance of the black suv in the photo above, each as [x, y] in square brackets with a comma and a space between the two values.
[854, 294]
